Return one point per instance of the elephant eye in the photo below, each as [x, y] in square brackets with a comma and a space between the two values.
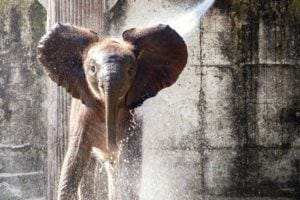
[93, 69]
[131, 71]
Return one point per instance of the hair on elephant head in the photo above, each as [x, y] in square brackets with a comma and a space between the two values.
[116, 71]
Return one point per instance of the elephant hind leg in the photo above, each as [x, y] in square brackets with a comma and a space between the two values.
[77, 155]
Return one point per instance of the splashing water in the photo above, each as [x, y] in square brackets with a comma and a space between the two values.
[185, 23]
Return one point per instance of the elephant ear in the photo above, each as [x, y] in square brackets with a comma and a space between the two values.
[161, 56]
[61, 50]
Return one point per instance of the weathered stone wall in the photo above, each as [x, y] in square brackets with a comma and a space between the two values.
[22, 93]
[229, 127]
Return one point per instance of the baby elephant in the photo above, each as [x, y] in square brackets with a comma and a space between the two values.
[107, 77]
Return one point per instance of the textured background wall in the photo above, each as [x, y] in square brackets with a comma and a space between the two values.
[229, 127]
[22, 93]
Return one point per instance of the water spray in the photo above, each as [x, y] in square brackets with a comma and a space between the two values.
[187, 21]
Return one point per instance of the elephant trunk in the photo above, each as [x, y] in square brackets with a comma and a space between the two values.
[111, 115]
[114, 87]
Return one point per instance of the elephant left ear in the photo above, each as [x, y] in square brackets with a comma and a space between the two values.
[61, 50]
[161, 55]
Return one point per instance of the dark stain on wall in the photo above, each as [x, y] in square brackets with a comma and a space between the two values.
[37, 18]
[243, 46]
[116, 16]
[291, 113]
[279, 19]
[15, 24]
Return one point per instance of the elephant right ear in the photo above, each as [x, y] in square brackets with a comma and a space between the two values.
[161, 55]
[60, 50]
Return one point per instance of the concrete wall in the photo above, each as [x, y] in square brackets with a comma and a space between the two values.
[229, 127]
[22, 93]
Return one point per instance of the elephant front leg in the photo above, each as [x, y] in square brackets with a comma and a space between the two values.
[72, 170]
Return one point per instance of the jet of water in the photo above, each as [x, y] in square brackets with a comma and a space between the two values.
[187, 21]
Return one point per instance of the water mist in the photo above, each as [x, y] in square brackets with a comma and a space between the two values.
[187, 21]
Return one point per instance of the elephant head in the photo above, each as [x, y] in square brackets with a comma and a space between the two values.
[115, 71]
